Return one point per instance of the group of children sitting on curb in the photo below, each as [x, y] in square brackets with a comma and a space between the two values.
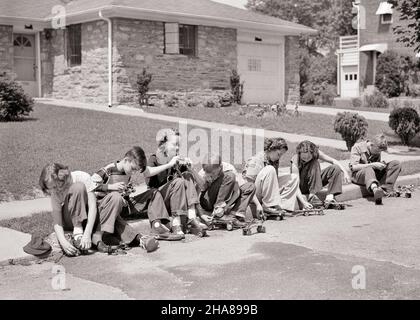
[181, 200]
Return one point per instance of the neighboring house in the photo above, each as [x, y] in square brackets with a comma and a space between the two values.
[357, 56]
[188, 45]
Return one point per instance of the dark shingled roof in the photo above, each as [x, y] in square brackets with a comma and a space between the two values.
[42, 9]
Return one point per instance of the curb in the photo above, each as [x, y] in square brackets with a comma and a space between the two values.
[350, 192]
[354, 192]
[28, 260]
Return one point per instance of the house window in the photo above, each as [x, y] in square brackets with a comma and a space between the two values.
[386, 19]
[254, 65]
[74, 45]
[347, 77]
[187, 39]
[355, 76]
[22, 41]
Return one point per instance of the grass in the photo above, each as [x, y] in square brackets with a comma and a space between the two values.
[380, 110]
[82, 139]
[39, 224]
[311, 124]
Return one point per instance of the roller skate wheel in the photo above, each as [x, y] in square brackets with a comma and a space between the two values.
[244, 232]
[229, 227]
[261, 229]
[279, 218]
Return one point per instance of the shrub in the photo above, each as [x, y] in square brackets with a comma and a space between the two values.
[394, 73]
[14, 103]
[405, 122]
[143, 82]
[351, 126]
[171, 101]
[327, 95]
[414, 90]
[356, 102]
[212, 103]
[376, 100]
[319, 93]
[236, 87]
[192, 102]
[226, 99]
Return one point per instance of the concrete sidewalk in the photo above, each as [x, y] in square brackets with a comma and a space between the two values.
[129, 111]
[369, 115]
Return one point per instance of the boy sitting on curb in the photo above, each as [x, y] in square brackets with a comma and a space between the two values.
[367, 168]
[221, 195]
[112, 179]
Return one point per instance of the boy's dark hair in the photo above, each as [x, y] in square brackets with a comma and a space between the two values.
[138, 156]
[211, 162]
[305, 146]
[51, 171]
[271, 144]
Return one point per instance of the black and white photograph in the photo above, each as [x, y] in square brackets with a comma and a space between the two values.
[209, 155]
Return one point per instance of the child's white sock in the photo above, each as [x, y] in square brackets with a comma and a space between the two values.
[373, 187]
[192, 213]
[176, 221]
[329, 197]
[78, 230]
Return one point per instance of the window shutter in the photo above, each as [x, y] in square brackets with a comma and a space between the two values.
[172, 38]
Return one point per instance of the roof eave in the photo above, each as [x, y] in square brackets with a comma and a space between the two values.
[155, 15]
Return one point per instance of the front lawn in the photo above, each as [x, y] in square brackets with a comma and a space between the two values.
[311, 124]
[82, 139]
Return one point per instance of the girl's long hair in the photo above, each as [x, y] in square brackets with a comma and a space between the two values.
[52, 172]
[305, 146]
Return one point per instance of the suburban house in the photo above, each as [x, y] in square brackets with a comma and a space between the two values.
[357, 55]
[93, 50]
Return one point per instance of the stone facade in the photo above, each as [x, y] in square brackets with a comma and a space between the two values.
[376, 32]
[6, 50]
[139, 44]
[292, 78]
[87, 82]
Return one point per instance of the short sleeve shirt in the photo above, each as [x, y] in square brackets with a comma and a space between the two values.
[254, 165]
[360, 154]
[85, 178]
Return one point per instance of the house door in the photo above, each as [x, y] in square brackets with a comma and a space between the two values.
[25, 62]
[260, 67]
[349, 82]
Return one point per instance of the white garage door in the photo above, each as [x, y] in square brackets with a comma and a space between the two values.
[261, 68]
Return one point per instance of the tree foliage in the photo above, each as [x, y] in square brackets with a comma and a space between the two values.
[409, 34]
[332, 18]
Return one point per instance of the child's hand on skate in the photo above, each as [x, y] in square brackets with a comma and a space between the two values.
[69, 249]
[86, 242]
[307, 206]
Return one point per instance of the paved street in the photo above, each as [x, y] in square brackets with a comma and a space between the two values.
[302, 257]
